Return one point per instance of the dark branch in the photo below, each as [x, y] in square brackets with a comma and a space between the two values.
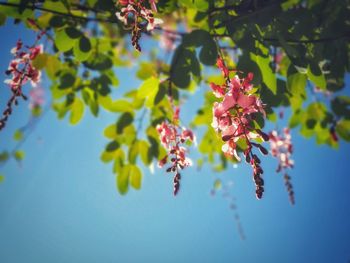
[234, 19]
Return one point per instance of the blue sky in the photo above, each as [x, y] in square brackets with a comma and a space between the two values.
[61, 205]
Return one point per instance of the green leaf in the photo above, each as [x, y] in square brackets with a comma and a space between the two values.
[120, 106]
[4, 156]
[296, 84]
[145, 71]
[316, 111]
[77, 111]
[268, 76]
[53, 66]
[82, 49]
[343, 129]
[129, 174]
[341, 106]
[143, 151]
[217, 184]
[63, 42]
[67, 80]
[111, 131]
[40, 61]
[18, 135]
[181, 67]
[315, 76]
[56, 21]
[125, 119]
[133, 152]
[148, 88]
[2, 19]
[99, 62]
[208, 53]
[107, 157]
[112, 146]
[135, 177]
[122, 179]
[19, 155]
[295, 119]
[2, 178]
[73, 32]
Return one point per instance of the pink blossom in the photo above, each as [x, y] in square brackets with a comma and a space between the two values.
[233, 120]
[21, 70]
[137, 11]
[172, 137]
[167, 40]
[36, 97]
[282, 148]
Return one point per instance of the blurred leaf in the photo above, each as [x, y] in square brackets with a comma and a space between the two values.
[18, 135]
[111, 131]
[112, 146]
[217, 184]
[4, 156]
[129, 174]
[2, 19]
[341, 106]
[148, 88]
[135, 177]
[66, 81]
[53, 66]
[124, 120]
[123, 179]
[343, 129]
[317, 77]
[146, 70]
[82, 49]
[133, 152]
[40, 61]
[19, 155]
[268, 75]
[120, 106]
[77, 111]
[143, 151]
[63, 42]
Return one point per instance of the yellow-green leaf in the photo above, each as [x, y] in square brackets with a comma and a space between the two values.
[135, 177]
[18, 135]
[111, 131]
[148, 88]
[77, 111]
[63, 42]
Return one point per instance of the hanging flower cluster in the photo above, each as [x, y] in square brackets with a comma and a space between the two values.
[21, 70]
[141, 17]
[282, 148]
[36, 98]
[167, 41]
[233, 118]
[173, 137]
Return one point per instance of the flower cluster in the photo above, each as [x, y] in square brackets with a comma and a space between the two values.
[173, 137]
[282, 149]
[36, 98]
[21, 70]
[141, 17]
[167, 41]
[233, 118]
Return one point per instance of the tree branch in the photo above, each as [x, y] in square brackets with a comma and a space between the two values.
[115, 21]
[84, 18]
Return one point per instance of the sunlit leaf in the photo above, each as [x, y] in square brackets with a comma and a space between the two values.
[77, 111]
